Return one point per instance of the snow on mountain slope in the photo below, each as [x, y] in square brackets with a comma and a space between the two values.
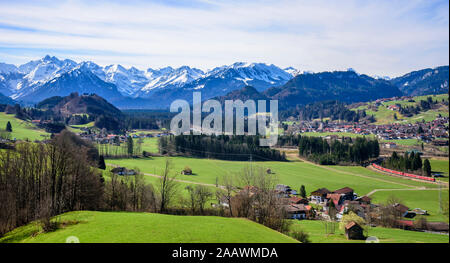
[79, 79]
[45, 69]
[30, 78]
[128, 81]
[169, 77]
[7, 68]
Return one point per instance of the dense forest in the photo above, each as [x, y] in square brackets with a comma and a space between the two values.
[239, 148]
[409, 162]
[326, 152]
[334, 110]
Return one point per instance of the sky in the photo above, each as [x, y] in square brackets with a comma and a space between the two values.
[383, 38]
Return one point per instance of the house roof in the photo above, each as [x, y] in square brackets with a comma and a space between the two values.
[321, 191]
[298, 208]
[344, 190]
[401, 208]
[351, 224]
[334, 197]
[365, 199]
[296, 199]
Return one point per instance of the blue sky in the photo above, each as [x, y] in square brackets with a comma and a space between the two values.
[375, 37]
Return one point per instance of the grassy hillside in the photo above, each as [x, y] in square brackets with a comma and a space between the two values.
[22, 129]
[316, 231]
[383, 115]
[114, 227]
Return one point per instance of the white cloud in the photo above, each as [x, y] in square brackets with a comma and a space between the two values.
[376, 37]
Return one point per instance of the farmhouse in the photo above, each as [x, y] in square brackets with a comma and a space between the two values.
[347, 193]
[404, 210]
[319, 195]
[298, 200]
[299, 211]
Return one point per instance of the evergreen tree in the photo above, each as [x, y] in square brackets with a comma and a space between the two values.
[101, 163]
[8, 127]
[302, 191]
[417, 163]
[130, 145]
[427, 167]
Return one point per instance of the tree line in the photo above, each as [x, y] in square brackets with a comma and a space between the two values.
[411, 163]
[331, 152]
[39, 181]
[335, 110]
[236, 147]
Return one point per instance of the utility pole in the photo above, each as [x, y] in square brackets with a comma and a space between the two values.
[440, 198]
[251, 167]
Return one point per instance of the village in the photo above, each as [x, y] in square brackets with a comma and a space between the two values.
[330, 206]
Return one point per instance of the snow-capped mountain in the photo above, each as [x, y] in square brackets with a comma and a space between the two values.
[7, 68]
[128, 81]
[79, 79]
[45, 69]
[222, 80]
[293, 71]
[169, 78]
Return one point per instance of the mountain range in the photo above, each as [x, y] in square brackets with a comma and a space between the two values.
[157, 88]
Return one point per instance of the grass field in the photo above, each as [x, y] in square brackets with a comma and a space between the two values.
[124, 227]
[292, 173]
[361, 179]
[150, 144]
[441, 166]
[425, 199]
[316, 231]
[22, 130]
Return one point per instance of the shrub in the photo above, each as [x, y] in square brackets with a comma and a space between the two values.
[300, 235]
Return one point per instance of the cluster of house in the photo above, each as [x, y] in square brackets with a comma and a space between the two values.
[103, 137]
[432, 130]
[323, 204]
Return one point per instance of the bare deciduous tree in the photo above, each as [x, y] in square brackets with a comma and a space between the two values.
[167, 187]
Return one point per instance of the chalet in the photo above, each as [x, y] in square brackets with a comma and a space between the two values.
[336, 199]
[298, 200]
[299, 211]
[284, 190]
[347, 193]
[404, 210]
[354, 231]
[320, 195]
[393, 107]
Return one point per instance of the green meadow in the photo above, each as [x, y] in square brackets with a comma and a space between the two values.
[291, 173]
[424, 199]
[22, 130]
[126, 227]
[317, 234]
[440, 166]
